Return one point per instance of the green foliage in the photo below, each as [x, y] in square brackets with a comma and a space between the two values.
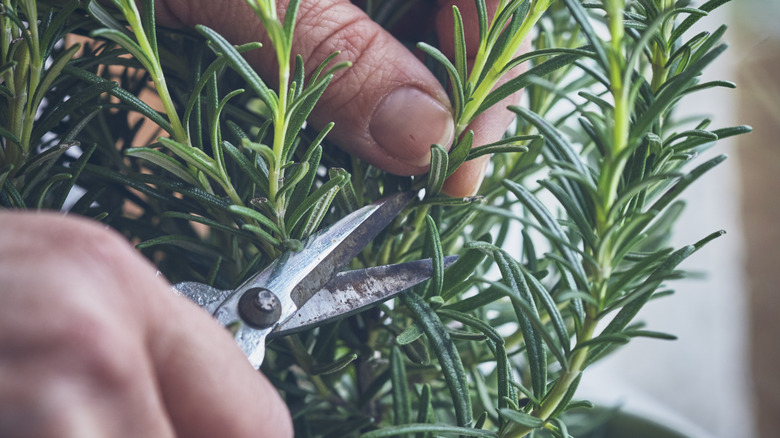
[231, 177]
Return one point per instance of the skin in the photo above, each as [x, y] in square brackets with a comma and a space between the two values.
[94, 344]
[381, 65]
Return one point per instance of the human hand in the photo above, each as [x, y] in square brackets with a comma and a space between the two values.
[93, 343]
[388, 108]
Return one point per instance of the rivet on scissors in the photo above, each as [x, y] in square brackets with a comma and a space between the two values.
[259, 308]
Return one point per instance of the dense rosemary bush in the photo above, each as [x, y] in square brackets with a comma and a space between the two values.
[591, 172]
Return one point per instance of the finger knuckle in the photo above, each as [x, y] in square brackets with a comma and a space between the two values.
[96, 350]
[349, 33]
[358, 42]
[93, 242]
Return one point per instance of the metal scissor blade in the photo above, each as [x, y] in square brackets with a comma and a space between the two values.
[205, 296]
[352, 291]
[297, 275]
[340, 243]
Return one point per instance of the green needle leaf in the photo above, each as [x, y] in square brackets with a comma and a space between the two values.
[460, 44]
[565, 402]
[347, 197]
[458, 96]
[123, 95]
[425, 407]
[525, 309]
[639, 297]
[53, 73]
[299, 171]
[521, 418]
[301, 108]
[473, 322]
[55, 115]
[312, 157]
[289, 18]
[165, 161]
[546, 220]
[411, 334]
[319, 209]
[460, 152]
[692, 19]
[334, 367]
[9, 135]
[258, 177]
[438, 429]
[13, 194]
[39, 202]
[402, 403]
[581, 17]
[241, 66]
[461, 270]
[506, 390]
[149, 25]
[193, 156]
[127, 43]
[685, 181]
[496, 149]
[438, 172]
[482, 19]
[669, 93]
[444, 348]
[205, 221]
[322, 194]
[189, 243]
[254, 215]
[524, 79]
[550, 307]
[105, 18]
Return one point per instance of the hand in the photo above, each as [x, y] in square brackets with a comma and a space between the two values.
[388, 108]
[93, 343]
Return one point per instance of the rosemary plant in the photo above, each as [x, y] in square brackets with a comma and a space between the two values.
[591, 171]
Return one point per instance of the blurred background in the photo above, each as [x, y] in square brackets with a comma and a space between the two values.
[720, 378]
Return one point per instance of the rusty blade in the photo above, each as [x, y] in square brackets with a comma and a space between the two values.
[328, 252]
[297, 275]
[352, 291]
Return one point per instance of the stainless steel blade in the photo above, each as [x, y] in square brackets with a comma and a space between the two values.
[339, 248]
[352, 291]
[297, 275]
[207, 297]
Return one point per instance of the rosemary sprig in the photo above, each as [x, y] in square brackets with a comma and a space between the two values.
[232, 178]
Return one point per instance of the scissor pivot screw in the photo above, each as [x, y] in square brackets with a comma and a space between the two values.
[259, 308]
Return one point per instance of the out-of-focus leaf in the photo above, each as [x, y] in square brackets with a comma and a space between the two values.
[449, 359]
[166, 162]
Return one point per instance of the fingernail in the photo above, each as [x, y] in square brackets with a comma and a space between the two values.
[480, 177]
[407, 122]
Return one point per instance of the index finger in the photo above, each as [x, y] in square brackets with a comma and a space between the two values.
[206, 382]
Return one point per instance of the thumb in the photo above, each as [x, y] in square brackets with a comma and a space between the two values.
[388, 108]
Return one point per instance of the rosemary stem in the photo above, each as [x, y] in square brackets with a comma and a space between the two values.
[411, 233]
[562, 385]
[660, 53]
[36, 66]
[615, 159]
[155, 71]
[496, 70]
[280, 131]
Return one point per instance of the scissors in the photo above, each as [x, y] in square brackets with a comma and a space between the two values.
[303, 288]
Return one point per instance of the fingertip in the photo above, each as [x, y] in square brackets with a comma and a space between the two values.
[445, 26]
[467, 180]
[388, 108]
[207, 384]
[405, 124]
